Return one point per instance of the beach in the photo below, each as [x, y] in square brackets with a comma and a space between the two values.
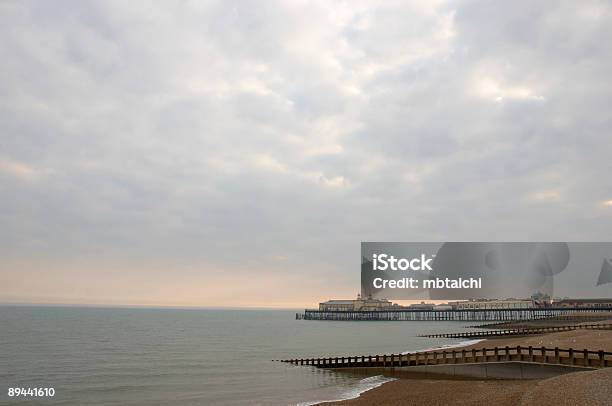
[583, 388]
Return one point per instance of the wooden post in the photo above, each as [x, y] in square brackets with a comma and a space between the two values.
[473, 355]
[463, 356]
[519, 352]
[507, 353]
[342, 361]
[454, 356]
[571, 356]
[557, 357]
[601, 358]
[585, 354]
[530, 354]
[336, 362]
[544, 356]
[377, 360]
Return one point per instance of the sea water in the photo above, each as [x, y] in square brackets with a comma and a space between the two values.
[146, 356]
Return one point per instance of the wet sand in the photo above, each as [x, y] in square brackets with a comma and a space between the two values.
[580, 388]
[442, 392]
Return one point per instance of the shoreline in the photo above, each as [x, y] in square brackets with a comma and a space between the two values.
[424, 389]
[357, 393]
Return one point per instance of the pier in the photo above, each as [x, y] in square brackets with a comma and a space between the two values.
[406, 314]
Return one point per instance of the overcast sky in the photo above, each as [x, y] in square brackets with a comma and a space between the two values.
[237, 153]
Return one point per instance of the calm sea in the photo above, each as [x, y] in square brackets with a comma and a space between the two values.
[134, 356]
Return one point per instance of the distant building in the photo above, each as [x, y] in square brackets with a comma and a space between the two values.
[492, 304]
[584, 303]
[541, 299]
[359, 304]
[421, 306]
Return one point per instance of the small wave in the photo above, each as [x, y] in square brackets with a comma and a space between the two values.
[363, 385]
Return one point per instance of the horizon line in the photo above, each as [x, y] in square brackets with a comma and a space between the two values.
[143, 306]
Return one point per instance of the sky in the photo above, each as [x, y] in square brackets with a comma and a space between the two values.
[236, 153]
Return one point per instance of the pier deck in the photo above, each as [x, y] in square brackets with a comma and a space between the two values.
[445, 315]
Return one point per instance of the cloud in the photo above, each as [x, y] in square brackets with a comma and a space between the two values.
[17, 169]
[208, 135]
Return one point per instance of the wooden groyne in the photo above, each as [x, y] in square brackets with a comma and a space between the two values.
[562, 320]
[408, 314]
[519, 331]
[542, 355]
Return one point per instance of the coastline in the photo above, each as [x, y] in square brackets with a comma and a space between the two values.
[382, 380]
[423, 389]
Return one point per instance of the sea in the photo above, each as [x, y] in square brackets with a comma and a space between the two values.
[170, 356]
